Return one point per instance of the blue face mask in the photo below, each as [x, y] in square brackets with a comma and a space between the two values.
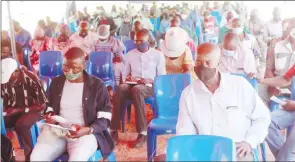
[143, 46]
[71, 76]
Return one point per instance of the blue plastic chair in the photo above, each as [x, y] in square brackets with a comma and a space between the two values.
[127, 107]
[3, 131]
[101, 66]
[130, 45]
[200, 148]
[50, 63]
[167, 92]
[26, 58]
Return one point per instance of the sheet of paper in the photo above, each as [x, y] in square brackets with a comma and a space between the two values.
[285, 91]
[59, 127]
[277, 100]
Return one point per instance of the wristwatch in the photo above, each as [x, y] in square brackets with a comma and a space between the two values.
[27, 110]
[91, 130]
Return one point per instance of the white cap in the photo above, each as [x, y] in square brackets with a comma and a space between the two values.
[103, 31]
[175, 42]
[9, 65]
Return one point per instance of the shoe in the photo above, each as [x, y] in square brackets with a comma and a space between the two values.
[115, 137]
[140, 141]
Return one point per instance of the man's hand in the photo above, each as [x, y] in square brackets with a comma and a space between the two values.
[251, 75]
[142, 81]
[129, 78]
[48, 119]
[80, 131]
[13, 111]
[273, 91]
[117, 59]
[243, 148]
[289, 106]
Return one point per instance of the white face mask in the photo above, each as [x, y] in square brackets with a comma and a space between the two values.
[183, 16]
[238, 31]
[228, 53]
[105, 41]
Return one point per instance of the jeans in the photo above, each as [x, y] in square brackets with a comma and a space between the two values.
[283, 149]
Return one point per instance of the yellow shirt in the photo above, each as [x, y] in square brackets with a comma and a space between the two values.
[174, 66]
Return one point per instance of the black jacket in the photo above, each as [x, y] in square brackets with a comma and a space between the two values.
[96, 105]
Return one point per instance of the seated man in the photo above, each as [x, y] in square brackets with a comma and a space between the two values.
[142, 65]
[283, 149]
[24, 99]
[137, 26]
[84, 102]
[223, 105]
[235, 58]
[279, 59]
[107, 43]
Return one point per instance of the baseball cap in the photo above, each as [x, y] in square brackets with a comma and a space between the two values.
[175, 41]
[9, 65]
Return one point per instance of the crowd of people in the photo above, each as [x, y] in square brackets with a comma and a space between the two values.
[169, 40]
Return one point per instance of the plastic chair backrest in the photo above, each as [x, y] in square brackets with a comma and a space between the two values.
[3, 129]
[293, 89]
[50, 63]
[26, 58]
[45, 82]
[253, 82]
[167, 92]
[200, 148]
[101, 65]
[130, 45]
[217, 15]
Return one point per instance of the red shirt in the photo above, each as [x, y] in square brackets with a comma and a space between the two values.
[290, 73]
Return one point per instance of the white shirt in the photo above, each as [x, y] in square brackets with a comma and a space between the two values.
[243, 62]
[146, 65]
[234, 111]
[273, 29]
[71, 103]
[86, 44]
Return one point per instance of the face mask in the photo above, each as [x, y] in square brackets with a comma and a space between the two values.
[183, 16]
[204, 73]
[142, 47]
[238, 31]
[228, 53]
[72, 77]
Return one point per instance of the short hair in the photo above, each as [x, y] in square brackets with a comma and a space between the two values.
[231, 36]
[143, 32]
[5, 43]
[208, 48]
[75, 53]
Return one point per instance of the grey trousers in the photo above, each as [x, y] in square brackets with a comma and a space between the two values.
[282, 148]
[137, 93]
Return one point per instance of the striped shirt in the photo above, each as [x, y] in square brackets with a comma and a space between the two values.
[28, 93]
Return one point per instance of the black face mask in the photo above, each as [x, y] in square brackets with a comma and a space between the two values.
[204, 73]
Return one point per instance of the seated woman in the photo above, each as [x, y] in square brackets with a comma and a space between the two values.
[39, 43]
[178, 56]
[62, 42]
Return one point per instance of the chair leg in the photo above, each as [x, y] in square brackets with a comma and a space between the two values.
[151, 144]
[129, 113]
[123, 119]
[263, 151]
